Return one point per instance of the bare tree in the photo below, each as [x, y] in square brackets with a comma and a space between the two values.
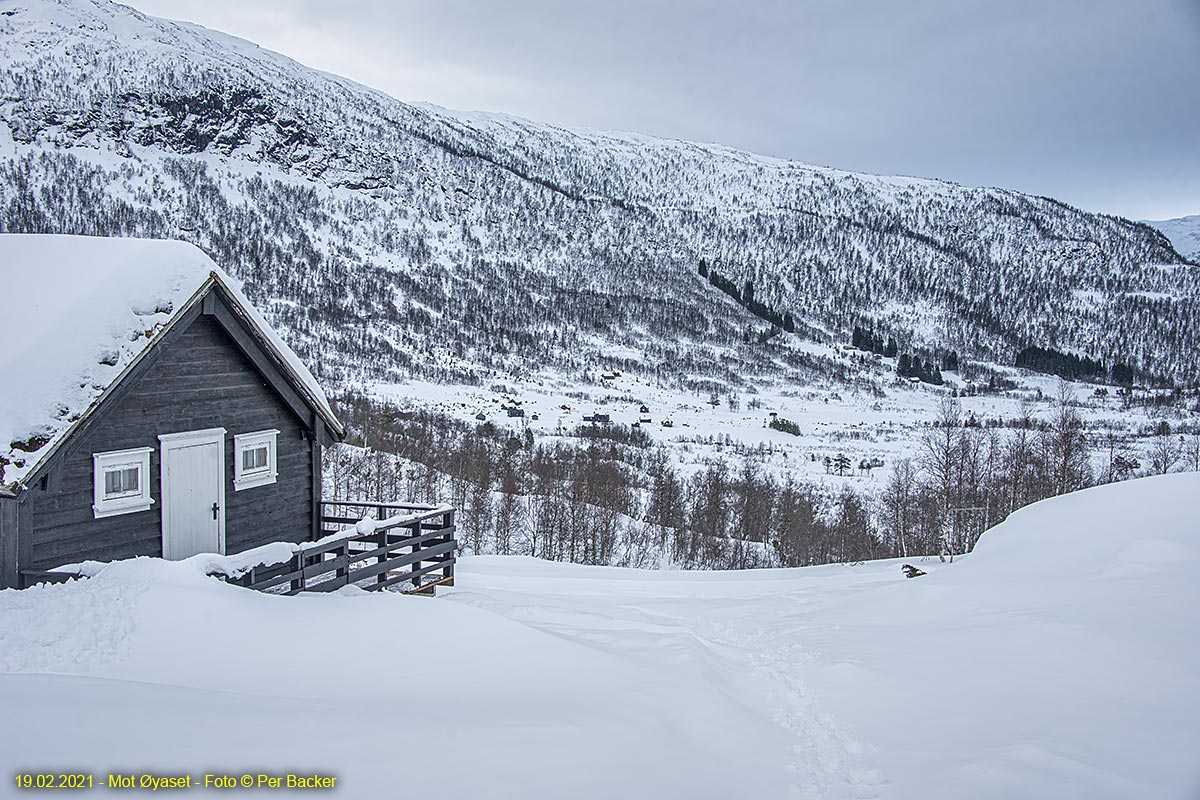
[665, 508]
[709, 517]
[797, 528]
[754, 504]
[1120, 462]
[1018, 460]
[478, 517]
[939, 457]
[852, 529]
[1165, 453]
[1068, 461]
[898, 503]
[1191, 452]
[509, 509]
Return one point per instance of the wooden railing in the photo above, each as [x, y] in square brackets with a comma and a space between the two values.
[30, 577]
[400, 543]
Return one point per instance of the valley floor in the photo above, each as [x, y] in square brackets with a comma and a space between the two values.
[1057, 661]
[885, 426]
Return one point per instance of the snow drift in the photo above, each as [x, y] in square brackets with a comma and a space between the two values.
[1058, 661]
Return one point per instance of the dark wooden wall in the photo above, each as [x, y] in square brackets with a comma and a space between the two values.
[199, 379]
[9, 521]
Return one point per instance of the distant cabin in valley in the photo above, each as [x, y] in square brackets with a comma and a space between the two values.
[148, 409]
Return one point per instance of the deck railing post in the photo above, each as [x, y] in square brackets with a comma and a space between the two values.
[408, 540]
[383, 557]
[343, 572]
[416, 548]
[448, 570]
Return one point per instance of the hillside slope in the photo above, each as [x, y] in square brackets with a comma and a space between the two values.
[1056, 661]
[393, 239]
[1184, 233]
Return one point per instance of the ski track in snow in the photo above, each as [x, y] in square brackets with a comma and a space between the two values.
[826, 761]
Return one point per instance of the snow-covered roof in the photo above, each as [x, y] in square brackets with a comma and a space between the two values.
[79, 311]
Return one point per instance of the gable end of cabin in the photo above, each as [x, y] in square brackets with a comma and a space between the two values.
[206, 444]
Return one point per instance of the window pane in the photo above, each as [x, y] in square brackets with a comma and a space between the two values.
[254, 458]
[122, 480]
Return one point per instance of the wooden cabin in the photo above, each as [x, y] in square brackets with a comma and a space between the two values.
[147, 409]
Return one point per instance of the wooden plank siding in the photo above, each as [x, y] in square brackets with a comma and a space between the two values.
[200, 379]
[9, 533]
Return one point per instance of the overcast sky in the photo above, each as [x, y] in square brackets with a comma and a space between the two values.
[1095, 102]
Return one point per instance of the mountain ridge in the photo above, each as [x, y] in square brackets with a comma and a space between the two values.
[430, 221]
[1184, 233]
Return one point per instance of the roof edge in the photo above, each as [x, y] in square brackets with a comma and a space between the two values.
[298, 381]
[214, 279]
[99, 400]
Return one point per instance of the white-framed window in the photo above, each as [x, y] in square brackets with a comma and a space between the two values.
[254, 459]
[121, 482]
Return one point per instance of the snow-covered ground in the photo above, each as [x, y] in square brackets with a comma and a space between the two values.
[884, 422]
[1057, 661]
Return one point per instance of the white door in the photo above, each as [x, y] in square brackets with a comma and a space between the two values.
[193, 493]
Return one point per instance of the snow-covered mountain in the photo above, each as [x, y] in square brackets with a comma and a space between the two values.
[389, 239]
[1184, 233]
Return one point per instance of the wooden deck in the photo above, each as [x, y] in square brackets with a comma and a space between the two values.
[409, 544]
[403, 547]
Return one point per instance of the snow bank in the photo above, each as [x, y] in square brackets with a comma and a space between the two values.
[238, 564]
[248, 681]
[1058, 661]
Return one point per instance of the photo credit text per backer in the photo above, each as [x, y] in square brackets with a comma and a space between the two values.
[156, 782]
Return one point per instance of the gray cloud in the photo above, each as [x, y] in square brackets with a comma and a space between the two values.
[1096, 102]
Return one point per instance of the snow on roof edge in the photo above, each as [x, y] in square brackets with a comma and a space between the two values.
[119, 297]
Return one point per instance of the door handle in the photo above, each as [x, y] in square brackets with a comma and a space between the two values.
[216, 508]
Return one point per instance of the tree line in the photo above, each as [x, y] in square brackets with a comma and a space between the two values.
[606, 495]
[1069, 366]
[745, 298]
[907, 366]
